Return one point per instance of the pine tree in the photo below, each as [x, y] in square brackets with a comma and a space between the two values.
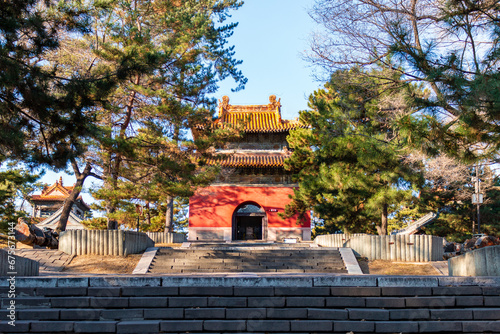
[450, 47]
[457, 213]
[46, 114]
[176, 53]
[349, 161]
[42, 115]
[14, 185]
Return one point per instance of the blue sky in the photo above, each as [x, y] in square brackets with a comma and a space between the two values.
[270, 38]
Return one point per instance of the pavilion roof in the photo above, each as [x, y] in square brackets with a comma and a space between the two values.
[251, 160]
[56, 193]
[264, 118]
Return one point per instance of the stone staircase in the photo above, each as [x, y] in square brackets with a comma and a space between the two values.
[272, 258]
[221, 304]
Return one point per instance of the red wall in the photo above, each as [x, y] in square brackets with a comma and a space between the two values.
[214, 206]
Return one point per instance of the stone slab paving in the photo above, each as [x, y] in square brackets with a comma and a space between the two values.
[51, 260]
[441, 266]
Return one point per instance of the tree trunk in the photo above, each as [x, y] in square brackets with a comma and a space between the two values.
[73, 196]
[382, 229]
[112, 223]
[114, 165]
[148, 214]
[31, 235]
[111, 205]
[169, 222]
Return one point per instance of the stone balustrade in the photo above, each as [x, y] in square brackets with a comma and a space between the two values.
[405, 248]
[103, 242]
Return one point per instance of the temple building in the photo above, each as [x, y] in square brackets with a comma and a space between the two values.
[47, 207]
[253, 186]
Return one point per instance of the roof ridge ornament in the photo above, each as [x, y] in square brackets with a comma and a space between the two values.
[273, 104]
[259, 118]
[223, 106]
[276, 105]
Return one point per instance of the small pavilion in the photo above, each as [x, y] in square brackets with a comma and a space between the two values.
[253, 188]
[47, 207]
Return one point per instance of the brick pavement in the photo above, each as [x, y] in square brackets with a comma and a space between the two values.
[51, 260]
[441, 267]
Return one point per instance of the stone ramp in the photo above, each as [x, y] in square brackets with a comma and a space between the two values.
[247, 258]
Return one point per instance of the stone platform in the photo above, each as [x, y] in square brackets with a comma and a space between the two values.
[251, 302]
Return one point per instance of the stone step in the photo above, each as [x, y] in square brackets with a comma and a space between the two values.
[229, 264]
[236, 263]
[390, 305]
[238, 258]
[267, 325]
[244, 265]
[243, 251]
[253, 256]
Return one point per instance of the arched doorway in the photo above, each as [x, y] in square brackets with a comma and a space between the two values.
[249, 222]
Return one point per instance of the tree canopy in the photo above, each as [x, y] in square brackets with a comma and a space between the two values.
[42, 115]
[179, 54]
[111, 89]
[349, 162]
[15, 185]
[451, 47]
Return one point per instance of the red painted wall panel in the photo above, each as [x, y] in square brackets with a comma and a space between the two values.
[214, 206]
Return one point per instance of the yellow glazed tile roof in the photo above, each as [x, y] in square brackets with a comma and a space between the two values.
[56, 193]
[248, 160]
[255, 118]
[260, 121]
[49, 198]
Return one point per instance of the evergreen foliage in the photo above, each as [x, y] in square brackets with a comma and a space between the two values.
[43, 116]
[47, 115]
[457, 213]
[451, 47]
[490, 211]
[15, 185]
[111, 88]
[96, 223]
[176, 53]
[349, 161]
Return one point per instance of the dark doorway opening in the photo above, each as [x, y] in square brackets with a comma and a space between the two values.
[249, 222]
[248, 228]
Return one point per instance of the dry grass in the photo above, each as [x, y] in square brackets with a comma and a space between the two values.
[383, 267]
[4, 241]
[100, 264]
[171, 245]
